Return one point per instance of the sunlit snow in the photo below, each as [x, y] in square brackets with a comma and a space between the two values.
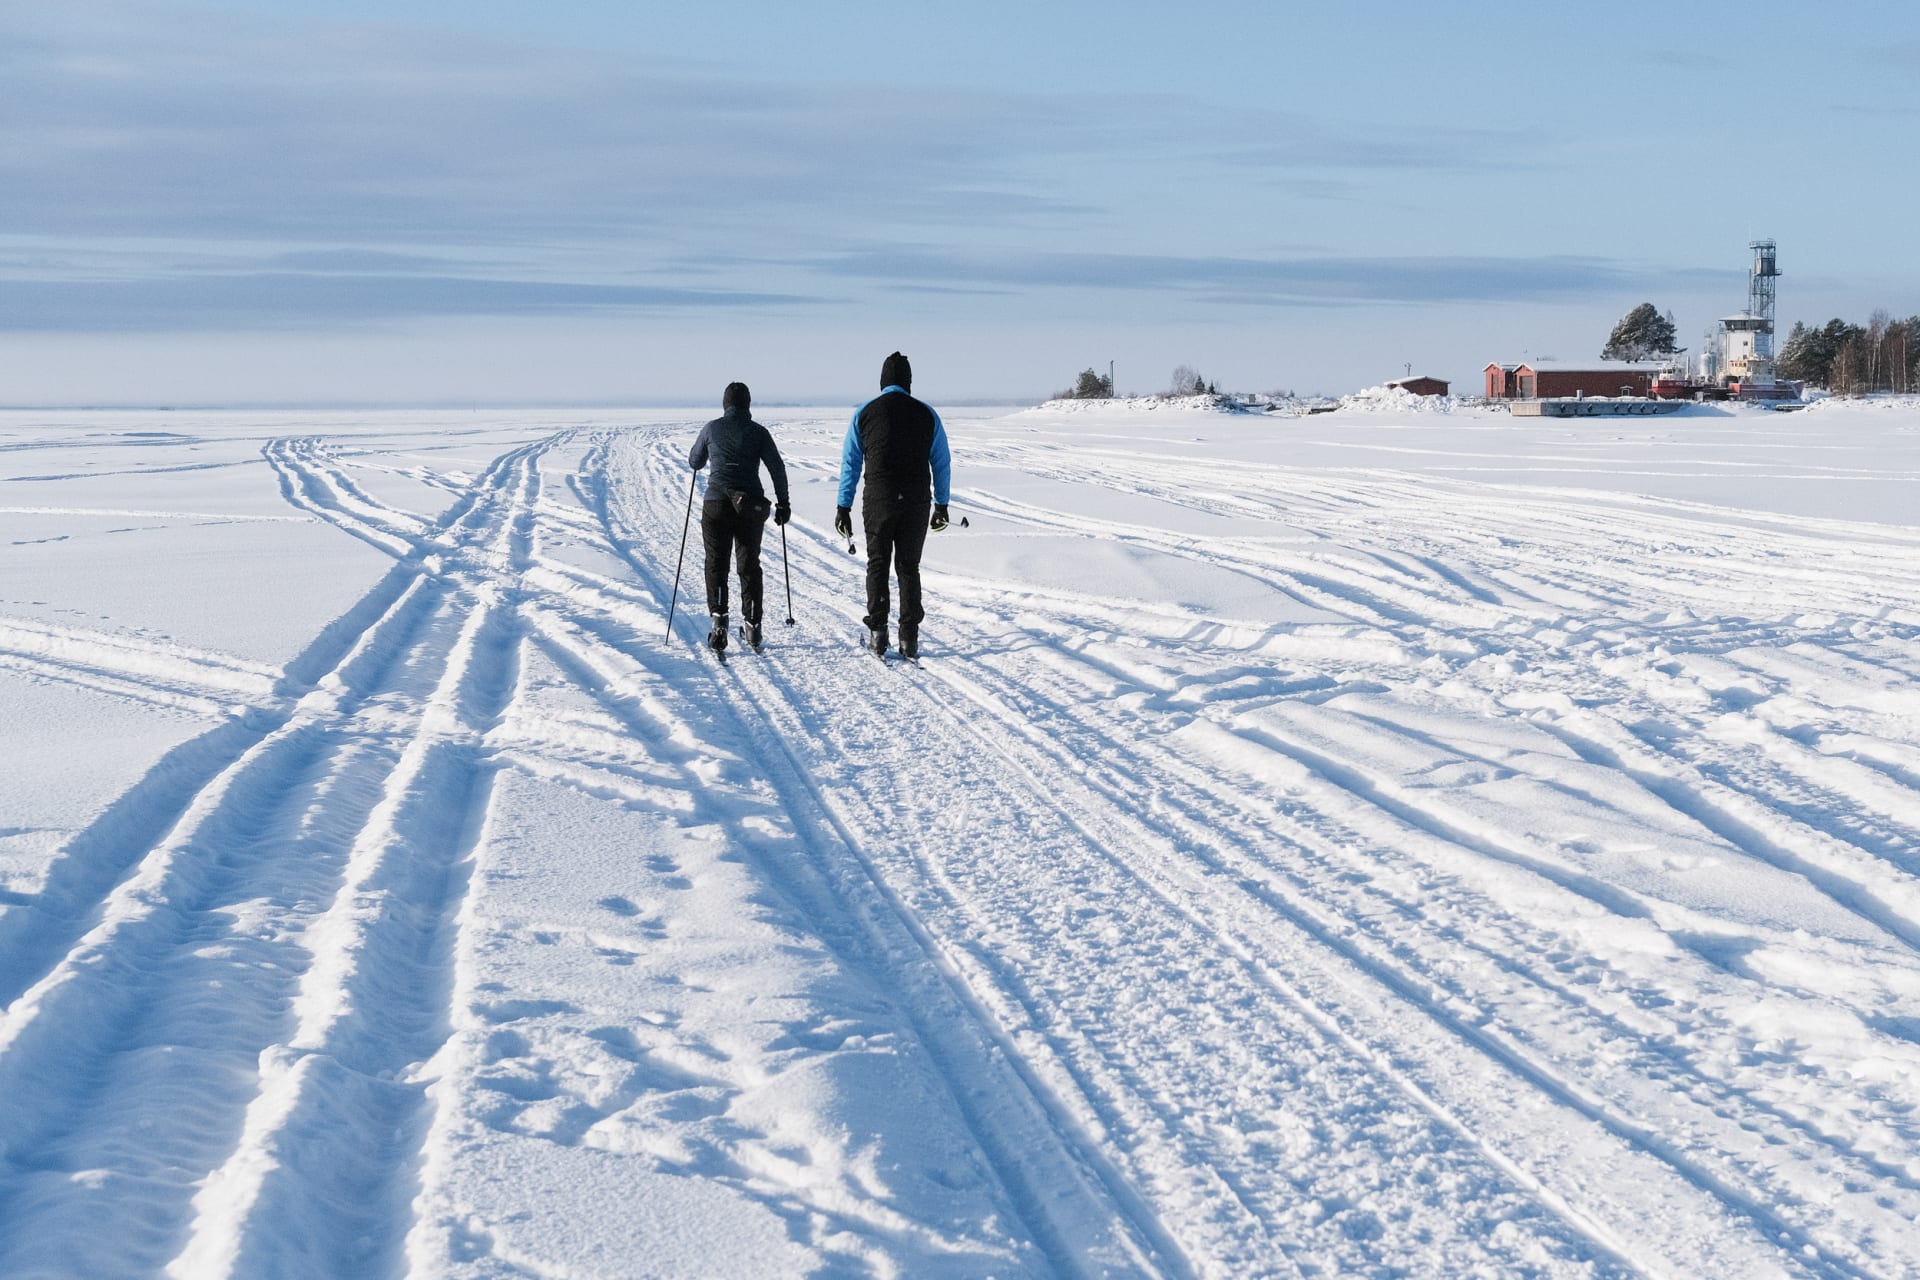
[1379, 842]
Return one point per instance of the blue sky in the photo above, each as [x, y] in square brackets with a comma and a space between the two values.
[412, 201]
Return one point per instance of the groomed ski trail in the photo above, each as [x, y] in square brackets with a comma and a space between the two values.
[1659, 1170]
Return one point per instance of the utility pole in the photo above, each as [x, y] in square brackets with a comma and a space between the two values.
[1113, 391]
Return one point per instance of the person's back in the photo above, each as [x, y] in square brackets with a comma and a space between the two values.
[735, 447]
[899, 446]
[896, 439]
[736, 507]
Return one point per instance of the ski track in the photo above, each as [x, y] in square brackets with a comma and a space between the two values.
[1754, 798]
[1742, 1208]
[1141, 1099]
[276, 941]
[1240, 950]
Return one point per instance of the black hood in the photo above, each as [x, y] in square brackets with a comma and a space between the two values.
[896, 372]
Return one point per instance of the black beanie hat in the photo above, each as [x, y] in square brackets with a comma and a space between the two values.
[896, 372]
[736, 396]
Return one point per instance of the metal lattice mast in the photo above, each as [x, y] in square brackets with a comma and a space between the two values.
[1760, 296]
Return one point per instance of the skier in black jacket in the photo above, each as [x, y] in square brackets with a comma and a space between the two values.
[900, 445]
[734, 512]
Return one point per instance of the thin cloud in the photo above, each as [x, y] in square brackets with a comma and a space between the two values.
[1293, 146]
[1271, 280]
[267, 131]
[118, 125]
[367, 261]
[307, 302]
[279, 171]
[949, 291]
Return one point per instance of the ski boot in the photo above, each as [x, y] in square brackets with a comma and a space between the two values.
[717, 637]
[751, 634]
[877, 641]
[910, 641]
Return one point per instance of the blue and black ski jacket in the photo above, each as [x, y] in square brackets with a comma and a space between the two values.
[899, 444]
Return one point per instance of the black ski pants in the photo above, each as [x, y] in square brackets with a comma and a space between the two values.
[729, 528]
[896, 534]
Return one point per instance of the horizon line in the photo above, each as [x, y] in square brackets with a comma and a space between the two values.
[645, 402]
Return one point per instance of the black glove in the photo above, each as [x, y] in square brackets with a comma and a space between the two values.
[843, 521]
[782, 513]
[939, 521]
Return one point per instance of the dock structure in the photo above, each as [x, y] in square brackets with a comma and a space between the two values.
[1583, 408]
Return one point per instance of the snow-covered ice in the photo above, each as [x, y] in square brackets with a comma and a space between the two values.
[1381, 842]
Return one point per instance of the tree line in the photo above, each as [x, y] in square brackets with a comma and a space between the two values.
[1090, 385]
[1851, 359]
[1094, 385]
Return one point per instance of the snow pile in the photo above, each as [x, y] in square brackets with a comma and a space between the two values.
[1283, 404]
[1907, 404]
[1149, 404]
[1386, 399]
[1294, 406]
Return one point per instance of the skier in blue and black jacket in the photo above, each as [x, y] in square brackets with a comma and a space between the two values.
[900, 445]
[734, 514]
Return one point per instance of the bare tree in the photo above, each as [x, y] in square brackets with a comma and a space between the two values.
[1876, 342]
[1187, 381]
[1844, 377]
[1893, 363]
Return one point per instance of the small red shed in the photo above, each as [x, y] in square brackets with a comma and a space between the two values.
[1422, 386]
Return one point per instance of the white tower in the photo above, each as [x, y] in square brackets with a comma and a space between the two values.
[1747, 339]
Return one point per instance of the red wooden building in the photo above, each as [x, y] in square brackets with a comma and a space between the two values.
[1422, 386]
[1542, 382]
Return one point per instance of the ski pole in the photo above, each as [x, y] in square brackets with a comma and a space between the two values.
[787, 571]
[684, 526]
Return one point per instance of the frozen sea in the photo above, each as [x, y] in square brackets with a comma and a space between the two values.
[1390, 842]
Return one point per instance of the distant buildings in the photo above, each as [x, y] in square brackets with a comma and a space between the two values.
[1545, 381]
[1422, 386]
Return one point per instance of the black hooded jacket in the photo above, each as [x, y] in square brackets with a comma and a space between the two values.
[737, 445]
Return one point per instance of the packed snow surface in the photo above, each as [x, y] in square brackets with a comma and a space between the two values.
[1380, 843]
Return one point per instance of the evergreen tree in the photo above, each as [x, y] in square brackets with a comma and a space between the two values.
[1800, 358]
[1838, 349]
[1642, 333]
[1851, 359]
[1091, 386]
